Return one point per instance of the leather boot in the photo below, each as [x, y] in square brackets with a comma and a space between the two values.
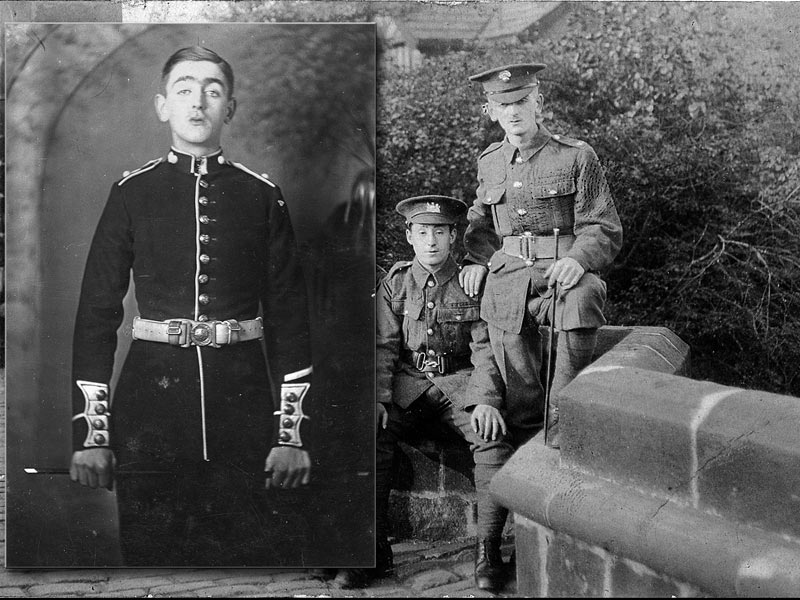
[553, 432]
[489, 565]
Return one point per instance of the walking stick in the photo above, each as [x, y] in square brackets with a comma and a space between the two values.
[550, 345]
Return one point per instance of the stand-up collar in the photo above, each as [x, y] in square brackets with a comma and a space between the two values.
[442, 276]
[540, 139]
[196, 165]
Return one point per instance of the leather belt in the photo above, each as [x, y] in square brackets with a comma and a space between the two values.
[185, 332]
[442, 364]
[536, 246]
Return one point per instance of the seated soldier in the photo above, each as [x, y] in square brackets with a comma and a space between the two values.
[435, 363]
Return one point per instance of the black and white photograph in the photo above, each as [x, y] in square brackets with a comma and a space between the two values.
[192, 251]
[549, 253]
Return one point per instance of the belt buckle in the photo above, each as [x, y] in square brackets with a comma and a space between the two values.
[441, 365]
[202, 334]
[530, 247]
[175, 327]
[232, 325]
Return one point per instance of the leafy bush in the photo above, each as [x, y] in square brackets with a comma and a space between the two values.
[710, 205]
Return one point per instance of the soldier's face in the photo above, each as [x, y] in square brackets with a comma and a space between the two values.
[197, 104]
[431, 243]
[518, 119]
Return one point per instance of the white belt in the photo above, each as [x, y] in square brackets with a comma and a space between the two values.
[185, 332]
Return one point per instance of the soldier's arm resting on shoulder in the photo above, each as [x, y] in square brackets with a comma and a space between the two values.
[471, 277]
[93, 467]
[480, 238]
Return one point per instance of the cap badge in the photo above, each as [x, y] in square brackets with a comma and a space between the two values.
[433, 207]
[504, 75]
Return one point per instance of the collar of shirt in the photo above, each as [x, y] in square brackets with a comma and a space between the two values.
[540, 139]
[442, 276]
[196, 165]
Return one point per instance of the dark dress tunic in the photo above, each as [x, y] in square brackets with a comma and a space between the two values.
[206, 240]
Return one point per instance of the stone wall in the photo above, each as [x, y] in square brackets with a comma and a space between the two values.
[433, 495]
[664, 486]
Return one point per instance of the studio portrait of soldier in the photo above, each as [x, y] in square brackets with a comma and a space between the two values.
[194, 391]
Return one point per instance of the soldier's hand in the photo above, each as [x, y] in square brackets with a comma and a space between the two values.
[566, 271]
[290, 467]
[487, 422]
[93, 467]
[382, 416]
[471, 278]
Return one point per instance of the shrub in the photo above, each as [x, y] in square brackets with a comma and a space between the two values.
[709, 205]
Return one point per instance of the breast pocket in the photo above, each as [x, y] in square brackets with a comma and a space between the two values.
[456, 320]
[559, 195]
[407, 308]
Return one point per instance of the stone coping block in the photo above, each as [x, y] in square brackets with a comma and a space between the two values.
[720, 556]
[651, 348]
[731, 452]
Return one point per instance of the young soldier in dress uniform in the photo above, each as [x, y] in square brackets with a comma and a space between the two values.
[209, 244]
[434, 363]
[528, 184]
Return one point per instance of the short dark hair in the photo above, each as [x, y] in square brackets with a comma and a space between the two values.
[198, 53]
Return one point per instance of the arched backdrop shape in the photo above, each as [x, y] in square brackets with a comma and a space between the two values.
[79, 113]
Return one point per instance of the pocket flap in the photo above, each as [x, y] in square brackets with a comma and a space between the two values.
[561, 187]
[462, 314]
[407, 308]
[494, 194]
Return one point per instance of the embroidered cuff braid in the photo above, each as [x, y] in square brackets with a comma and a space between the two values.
[96, 414]
[294, 390]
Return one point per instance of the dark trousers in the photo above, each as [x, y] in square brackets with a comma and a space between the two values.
[489, 456]
[208, 514]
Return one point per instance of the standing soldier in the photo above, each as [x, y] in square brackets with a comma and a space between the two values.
[210, 247]
[529, 184]
[434, 363]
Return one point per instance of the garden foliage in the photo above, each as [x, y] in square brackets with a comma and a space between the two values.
[698, 153]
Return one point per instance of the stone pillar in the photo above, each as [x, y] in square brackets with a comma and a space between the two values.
[664, 486]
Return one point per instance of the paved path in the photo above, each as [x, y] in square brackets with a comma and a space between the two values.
[423, 570]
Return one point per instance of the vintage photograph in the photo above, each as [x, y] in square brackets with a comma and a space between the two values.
[552, 295]
[191, 262]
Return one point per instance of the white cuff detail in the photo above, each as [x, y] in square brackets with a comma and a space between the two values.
[96, 412]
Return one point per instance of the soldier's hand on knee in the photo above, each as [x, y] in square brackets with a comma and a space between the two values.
[93, 467]
[487, 422]
[290, 467]
[471, 278]
[382, 416]
[567, 272]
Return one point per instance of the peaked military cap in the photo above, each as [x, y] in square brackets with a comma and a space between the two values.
[432, 210]
[509, 83]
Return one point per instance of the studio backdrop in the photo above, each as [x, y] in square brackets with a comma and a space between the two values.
[80, 112]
